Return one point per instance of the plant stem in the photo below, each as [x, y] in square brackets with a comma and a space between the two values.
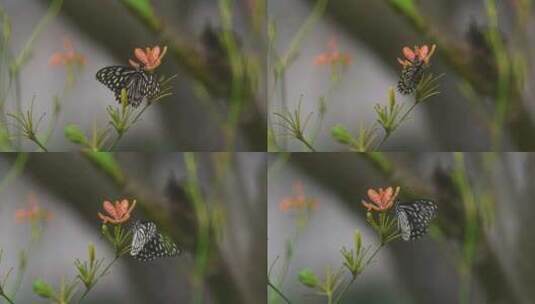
[6, 297]
[203, 223]
[346, 288]
[140, 112]
[302, 139]
[37, 142]
[103, 273]
[279, 292]
[374, 254]
[387, 134]
[330, 297]
[116, 141]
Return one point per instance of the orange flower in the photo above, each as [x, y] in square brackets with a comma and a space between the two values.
[68, 56]
[118, 213]
[419, 53]
[298, 201]
[33, 213]
[332, 56]
[149, 59]
[382, 199]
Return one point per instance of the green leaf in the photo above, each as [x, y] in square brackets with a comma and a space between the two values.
[106, 162]
[141, 6]
[410, 10]
[406, 6]
[145, 10]
[43, 289]
[308, 278]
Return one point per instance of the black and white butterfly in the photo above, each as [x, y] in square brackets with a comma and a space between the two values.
[411, 75]
[148, 244]
[414, 217]
[139, 84]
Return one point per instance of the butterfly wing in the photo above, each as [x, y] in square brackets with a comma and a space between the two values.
[411, 77]
[159, 246]
[142, 234]
[414, 218]
[115, 77]
[137, 83]
[148, 244]
[152, 85]
[136, 89]
[404, 225]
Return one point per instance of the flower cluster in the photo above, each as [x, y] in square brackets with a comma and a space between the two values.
[34, 212]
[118, 213]
[381, 199]
[299, 201]
[333, 56]
[418, 54]
[67, 57]
[149, 59]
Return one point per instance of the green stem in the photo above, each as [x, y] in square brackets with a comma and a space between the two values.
[140, 112]
[116, 141]
[103, 273]
[405, 115]
[14, 171]
[279, 292]
[37, 142]
[374, 254]
[346, 288]
[7, 298]
[401, 120]
[302, 139]
[387, 135]
[203, 225]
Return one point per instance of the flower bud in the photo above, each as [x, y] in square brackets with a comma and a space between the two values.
[43, 289]
[91, 253]
[308, 278]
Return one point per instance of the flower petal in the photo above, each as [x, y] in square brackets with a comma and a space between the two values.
[409, 54]
[104, 218]
[141, 56]
[163, 53]
[369, 206]
[131, 208]
[56, 59]
[110, 209]
[423, 52]
[387, 195]
[133, 63]
[122, 208]
[374, 196]
[155, 54]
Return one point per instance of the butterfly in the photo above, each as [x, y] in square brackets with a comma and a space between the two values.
[414, 218]
[138, 83]
[411, 75]
[148, 244]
